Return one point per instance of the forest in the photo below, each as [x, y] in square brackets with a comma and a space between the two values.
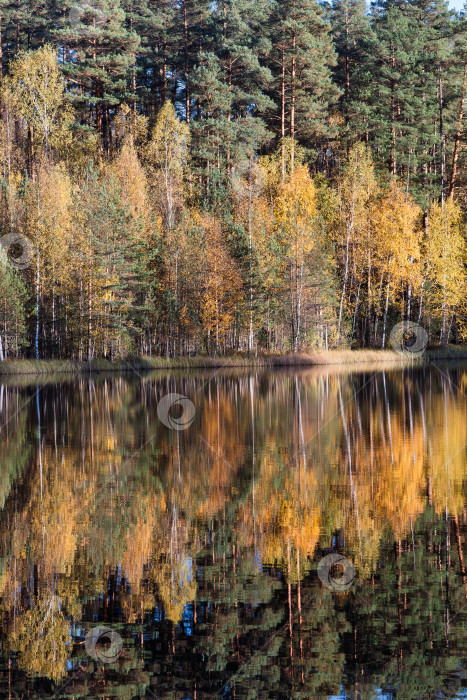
[188, 176]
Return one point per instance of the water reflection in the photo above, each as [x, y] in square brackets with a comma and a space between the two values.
[200, 547]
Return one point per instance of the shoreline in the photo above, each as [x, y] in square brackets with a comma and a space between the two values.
[9, 368]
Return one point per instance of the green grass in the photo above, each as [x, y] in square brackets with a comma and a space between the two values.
[332, 357]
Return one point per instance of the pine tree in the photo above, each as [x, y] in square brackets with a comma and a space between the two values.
[99, 53]
[154, 77]
[406, 95]
[351, 34]
[300, 60]
[456, 99]
[242, 64]
[24, 27]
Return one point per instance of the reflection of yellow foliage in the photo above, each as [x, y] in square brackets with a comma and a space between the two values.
[40, 636]
[138, 540]
[156, 548]
[176, 586]
[286, 518]
[447, 450]
[173, 564]
[294, 525]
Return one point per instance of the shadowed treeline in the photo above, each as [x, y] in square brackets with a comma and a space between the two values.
[200, 546]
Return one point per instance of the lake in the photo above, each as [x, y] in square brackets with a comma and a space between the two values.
[297, 533]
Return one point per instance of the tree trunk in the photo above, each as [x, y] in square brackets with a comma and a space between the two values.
[393, 118]
[185, 48]
[38, 279]
[1, 50]
[89, 320]
[356, 307]
[455, 155]
[292, 105]
[386, 309]
[250, 245]
[344, 286]
[283, 116]
[441, 135]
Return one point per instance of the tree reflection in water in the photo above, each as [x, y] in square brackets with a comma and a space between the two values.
[200, 546]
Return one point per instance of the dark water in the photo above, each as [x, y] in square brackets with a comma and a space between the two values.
[198, 549]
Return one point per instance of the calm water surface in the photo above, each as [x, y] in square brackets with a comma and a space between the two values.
[200, 547]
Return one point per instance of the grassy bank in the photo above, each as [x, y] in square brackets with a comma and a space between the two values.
[332, 357]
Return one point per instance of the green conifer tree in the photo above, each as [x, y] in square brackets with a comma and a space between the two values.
[300, 60]
[98, 61]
